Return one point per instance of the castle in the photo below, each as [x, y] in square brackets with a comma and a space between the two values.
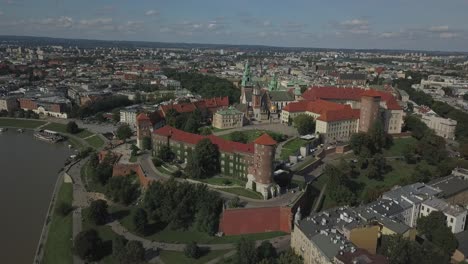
[252, 162]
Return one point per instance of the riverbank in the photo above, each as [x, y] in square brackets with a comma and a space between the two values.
[80, 141]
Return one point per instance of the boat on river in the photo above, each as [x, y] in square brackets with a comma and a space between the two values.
[49, 136]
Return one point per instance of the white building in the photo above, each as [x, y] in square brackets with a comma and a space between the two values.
[455, 215]
[128, 116]
[443, 127]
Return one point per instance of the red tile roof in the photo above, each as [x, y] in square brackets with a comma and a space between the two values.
[211, 103]
[223, 144]
[339, 115]
[180, 108]
[348, 93]
[266, 140]
[142, 117]
[328, 111]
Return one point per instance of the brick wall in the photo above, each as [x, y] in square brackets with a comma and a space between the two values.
[255, 220]
[127, 169]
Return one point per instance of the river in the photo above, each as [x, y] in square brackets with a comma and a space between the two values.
[28, 172]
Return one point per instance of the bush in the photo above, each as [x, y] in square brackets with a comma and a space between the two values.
[63, 209]
[157, 162]
[177, 174]
[226, 182]
[192, 250]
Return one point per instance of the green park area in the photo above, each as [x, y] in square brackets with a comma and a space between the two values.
[95, 141]
[241, 191]
[58, 248]
[180, 258]
[292, 147]
[20, 123]
[62, 128]
[224, 181]
[167, 235]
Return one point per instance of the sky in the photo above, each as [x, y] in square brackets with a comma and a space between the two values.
[358, 24]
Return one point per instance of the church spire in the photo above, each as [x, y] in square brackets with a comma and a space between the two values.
[247, 77]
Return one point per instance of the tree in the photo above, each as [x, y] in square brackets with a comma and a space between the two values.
[94, 160]
[266, 251]
[289, 257]
[192, 250]
[135, 150]
[116, 116]
[234, 202]
[246, 252]
[436, 231]
[377, 137]
[204, 161]
[72, 127]
[146, 143]
[239, 136]
[97, 213]
[410, 153]
[88, 245]
[165, 153]
[305, 124]
[416, 126]
[140, 220]
[124, 132]
[205, 131]
[123, 190]
[63, 208]
[118, 248]
[377, 167]
[359, 142]
[134, 253]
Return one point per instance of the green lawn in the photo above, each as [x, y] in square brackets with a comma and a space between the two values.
[292, 147]
[58, 248]
[175, 257]
[254, 134]
[20, 123]
[95, 141]
[61, 128]
[177, 236]
[398, 146]
[84, 134]
[76, 143]
[243, 192]
[221, 181]
[86, 177]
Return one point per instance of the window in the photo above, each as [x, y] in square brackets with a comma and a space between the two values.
[451, 219]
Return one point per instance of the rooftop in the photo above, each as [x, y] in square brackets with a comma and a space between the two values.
[443, 206]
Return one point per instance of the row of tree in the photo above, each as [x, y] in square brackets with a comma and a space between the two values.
[90, 247]
[20, 113]
[183, 206]
[207, 86]
[247, 253]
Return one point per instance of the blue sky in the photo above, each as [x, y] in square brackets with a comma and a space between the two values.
[380, 24]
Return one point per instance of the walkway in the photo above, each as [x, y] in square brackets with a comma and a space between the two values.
[275, 127]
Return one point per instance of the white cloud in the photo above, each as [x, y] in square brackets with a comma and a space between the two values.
[449, 35]
[152, 13]
[439, 29]
[61, 22]
[96, 22]
[354, 26]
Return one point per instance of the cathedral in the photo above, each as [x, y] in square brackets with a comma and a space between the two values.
[265, 102]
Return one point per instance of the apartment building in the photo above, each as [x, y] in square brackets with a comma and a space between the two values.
[228, 118]
[443, 127]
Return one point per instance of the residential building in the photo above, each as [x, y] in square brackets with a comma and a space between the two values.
[455, 215]
[443, 127]
[334, 121]
[352, 79]
[390, 112]
[8, 103]
[49, 106]
[324, 237]
[128, 115]
[228, 118]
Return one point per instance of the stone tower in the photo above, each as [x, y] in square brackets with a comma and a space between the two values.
[260, 177]
[144, 128]
[256, 102]
[370, 111]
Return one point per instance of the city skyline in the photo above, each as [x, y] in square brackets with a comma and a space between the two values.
[363, 24]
